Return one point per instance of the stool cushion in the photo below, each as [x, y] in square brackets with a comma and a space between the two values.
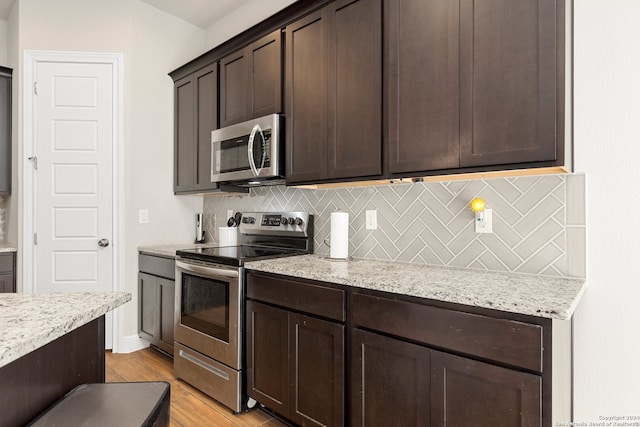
[142, 404]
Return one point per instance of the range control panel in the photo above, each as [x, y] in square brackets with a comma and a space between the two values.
[276, 223]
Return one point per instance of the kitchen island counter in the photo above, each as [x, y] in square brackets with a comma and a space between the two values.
[30, 321]
[49, 344]
[541, 296]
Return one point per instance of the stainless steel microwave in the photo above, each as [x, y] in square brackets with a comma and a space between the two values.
[248, 152]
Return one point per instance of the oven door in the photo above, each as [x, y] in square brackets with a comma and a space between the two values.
[208, 310]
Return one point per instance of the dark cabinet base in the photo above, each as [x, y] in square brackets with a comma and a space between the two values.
[31, 384]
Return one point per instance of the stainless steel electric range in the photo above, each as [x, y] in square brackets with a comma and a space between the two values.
[209, 309]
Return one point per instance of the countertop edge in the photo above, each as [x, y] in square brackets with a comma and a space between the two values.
[558, 307]
[63, 326]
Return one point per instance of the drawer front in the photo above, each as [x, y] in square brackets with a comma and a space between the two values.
[298, 295]
[6, 263]
[501, 340]
[209, 376]
[158, 266]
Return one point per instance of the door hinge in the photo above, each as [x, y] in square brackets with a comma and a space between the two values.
[35, 238]
[35, 88]
[34, 159]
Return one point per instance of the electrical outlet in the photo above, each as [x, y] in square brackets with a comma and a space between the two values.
[143, 216]
[484, 221]
[371, 219]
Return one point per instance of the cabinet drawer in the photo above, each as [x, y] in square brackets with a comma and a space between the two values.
[298, 295]
[501, 340]
[6, 263]
[158, 266]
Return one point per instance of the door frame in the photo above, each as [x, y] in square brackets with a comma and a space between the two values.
[30, 61]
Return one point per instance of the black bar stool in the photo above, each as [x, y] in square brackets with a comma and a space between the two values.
[144, 404]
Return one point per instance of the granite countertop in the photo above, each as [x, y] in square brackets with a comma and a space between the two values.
[7, 247]
[541, 296]
[29, 321]
[169, 250]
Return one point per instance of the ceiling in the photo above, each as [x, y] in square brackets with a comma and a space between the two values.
[201, 13]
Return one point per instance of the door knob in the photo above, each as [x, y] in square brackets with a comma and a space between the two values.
[103, 243]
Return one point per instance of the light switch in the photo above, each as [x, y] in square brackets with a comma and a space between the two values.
[143, 216]
[372, 220]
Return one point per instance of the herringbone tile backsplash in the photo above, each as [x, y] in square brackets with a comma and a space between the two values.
[538, 221]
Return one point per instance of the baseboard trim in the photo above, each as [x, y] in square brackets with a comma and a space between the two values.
[132, 343]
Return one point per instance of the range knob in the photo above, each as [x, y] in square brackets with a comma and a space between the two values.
[297, 221]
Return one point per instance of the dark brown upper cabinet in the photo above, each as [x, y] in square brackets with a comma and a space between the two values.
[5, 130]
[422, 85]
[195, 115]
[474, 84]
[511, 87]
[251, 81]
[334, 93]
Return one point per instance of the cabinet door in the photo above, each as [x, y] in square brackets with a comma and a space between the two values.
[184, 134]
[422, 85]
[268, 356]
[508, 81]
[206, 86]
[265, 75]
[7, 283]
[306, 98]
[149, 315]
[316, 371]
[466, 392]
[234, 78]
[390, 382]
[166, 288]
[5, 130]
[355, 89]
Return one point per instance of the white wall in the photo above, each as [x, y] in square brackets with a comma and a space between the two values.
[246, 16]
[607, 148]
[4, 43]
[153, 43]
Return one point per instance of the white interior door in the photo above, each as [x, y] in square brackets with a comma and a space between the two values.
[73, 137]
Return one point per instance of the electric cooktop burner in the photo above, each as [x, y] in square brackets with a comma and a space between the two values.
[262, 235]
[235, 255]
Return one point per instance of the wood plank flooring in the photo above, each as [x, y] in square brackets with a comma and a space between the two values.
[189, 406]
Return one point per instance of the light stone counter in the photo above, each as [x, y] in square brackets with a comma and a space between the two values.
[29, 321]
[169, 250]
[541, 296]
[6, 247]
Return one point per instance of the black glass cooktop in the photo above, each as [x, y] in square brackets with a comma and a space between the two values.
[236, 255]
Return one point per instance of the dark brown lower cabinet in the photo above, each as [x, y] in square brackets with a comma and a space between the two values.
[295, 365]
[157, 301]
[395, 383]
[268, 356]
[7, 272]
[466, 392]
[389, 381]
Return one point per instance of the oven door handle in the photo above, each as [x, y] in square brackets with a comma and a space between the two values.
[207, 271]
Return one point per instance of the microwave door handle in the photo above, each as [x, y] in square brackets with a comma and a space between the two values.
[252, 163]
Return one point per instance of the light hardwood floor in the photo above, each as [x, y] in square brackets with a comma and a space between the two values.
[189, 407]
